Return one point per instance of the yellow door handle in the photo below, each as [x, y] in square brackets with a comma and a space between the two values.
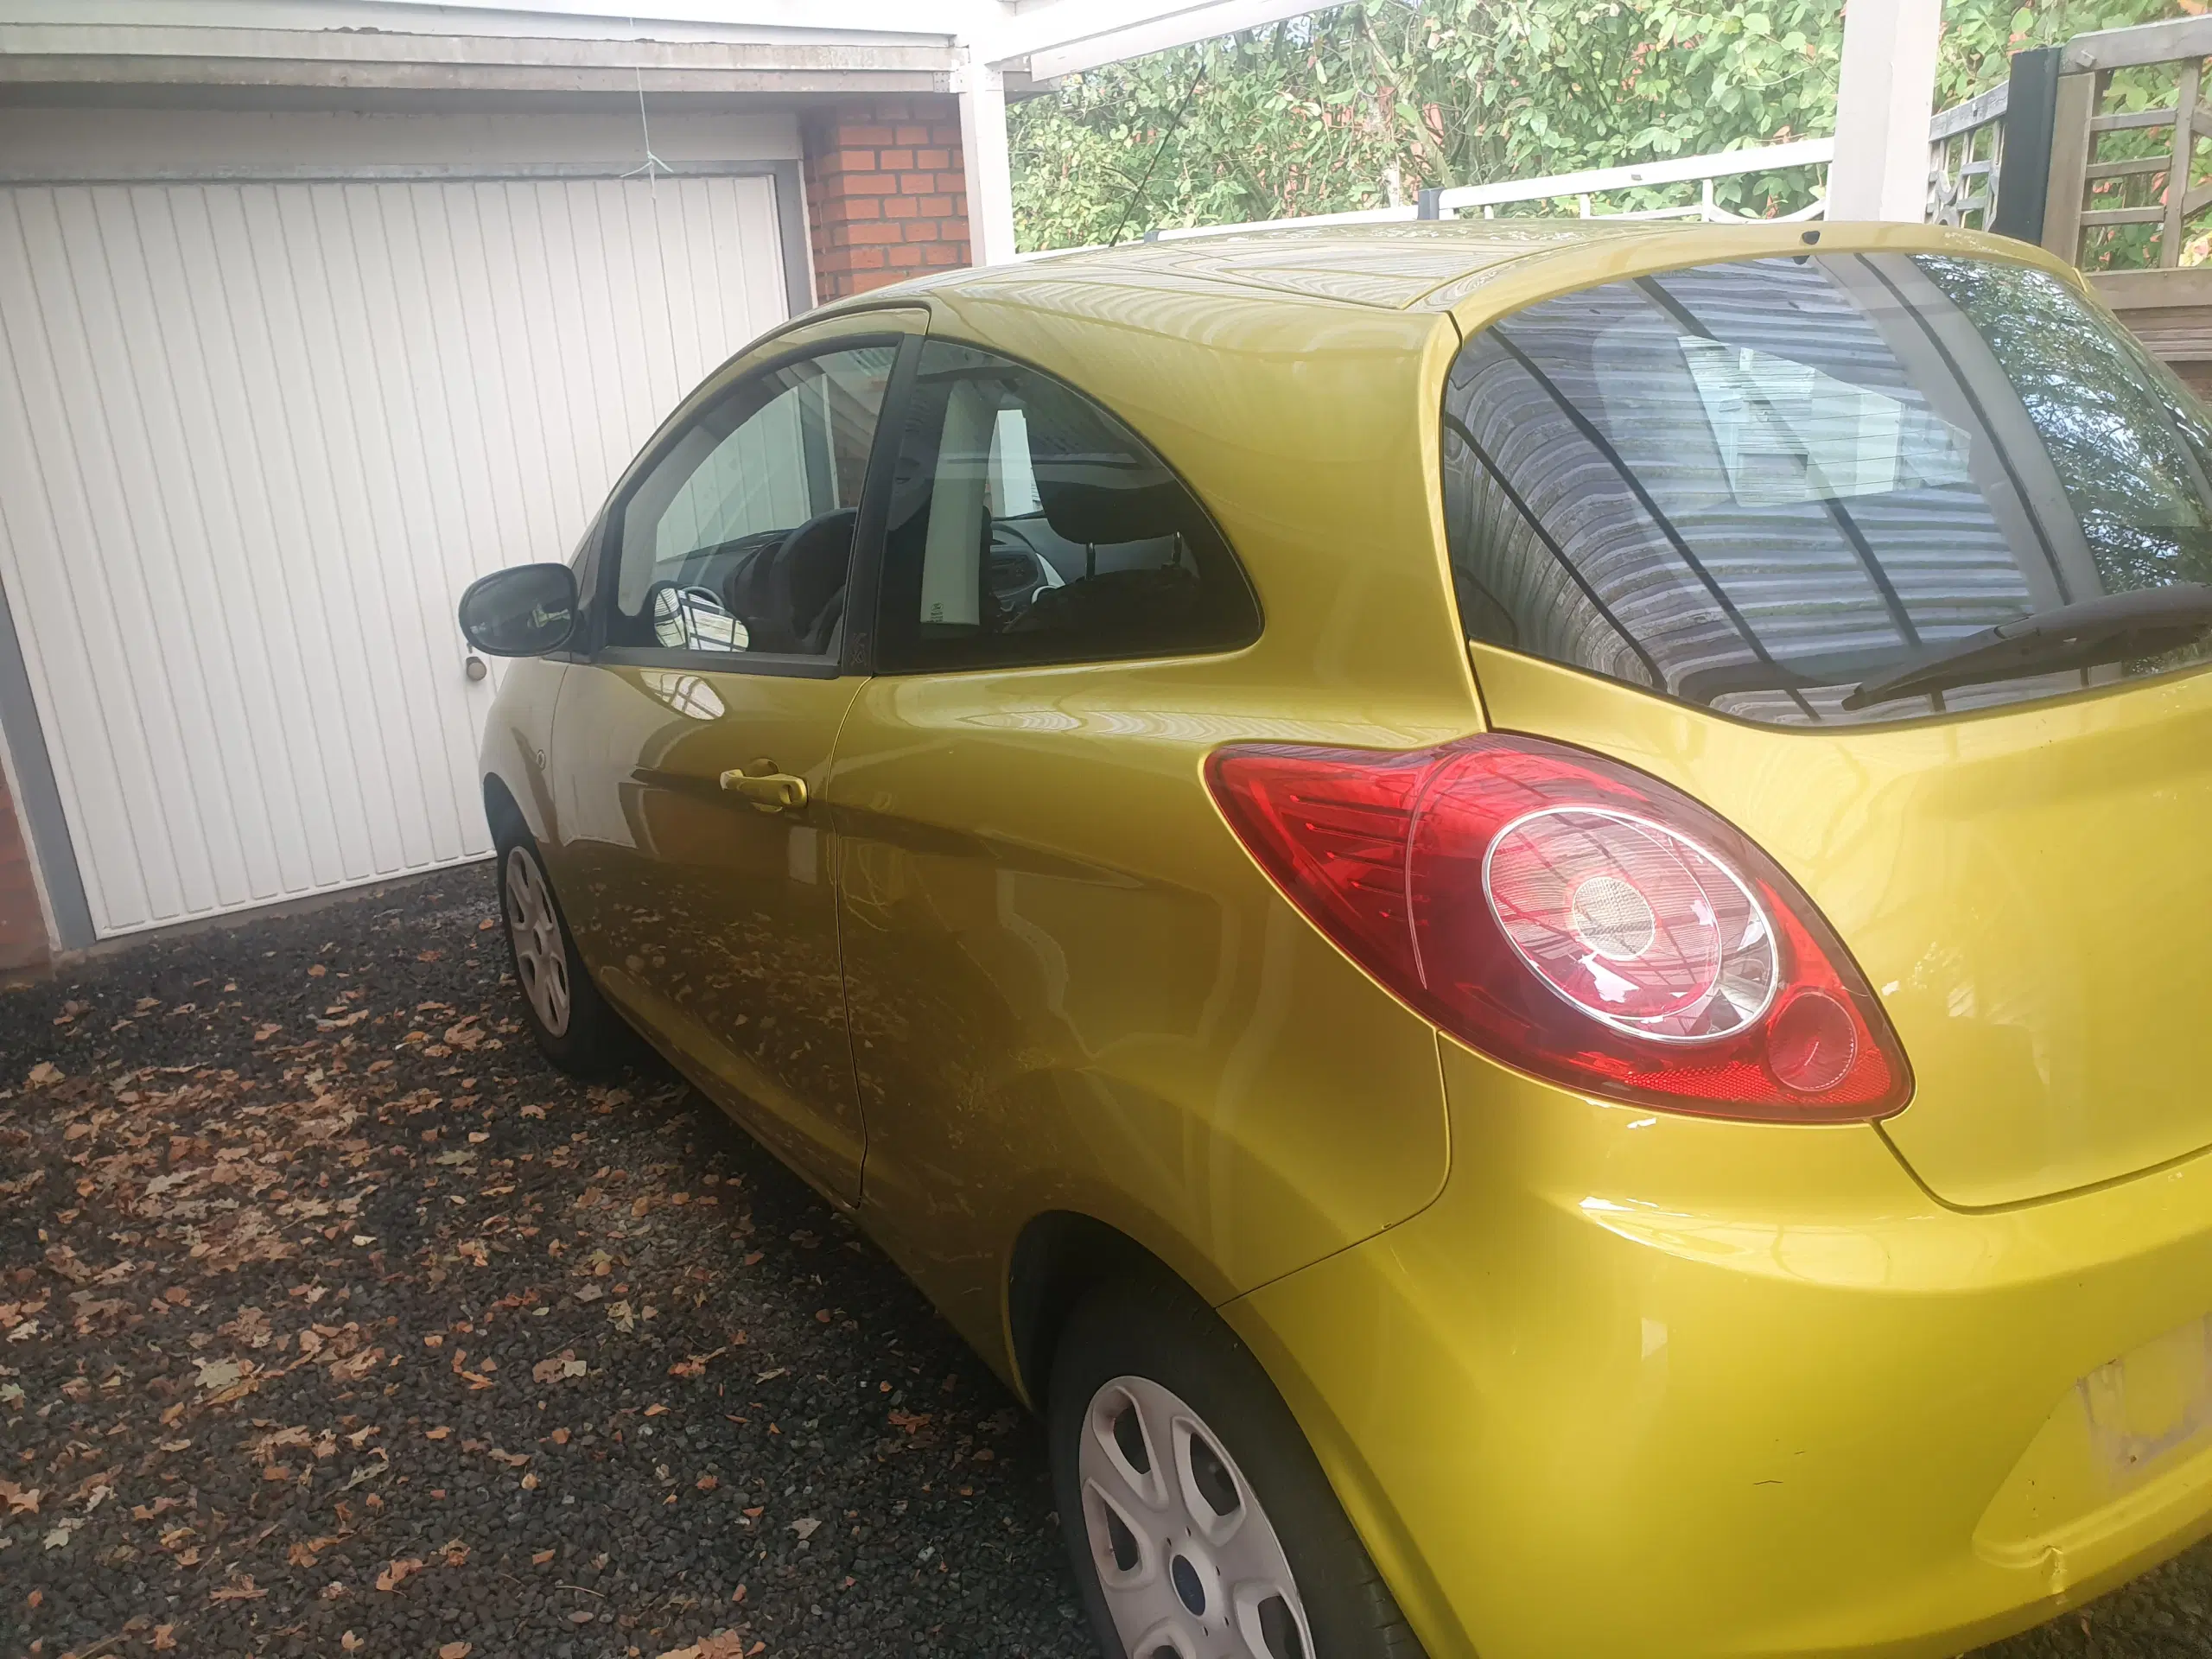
[768, 790]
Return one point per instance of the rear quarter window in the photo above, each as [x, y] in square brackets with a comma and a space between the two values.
[1775, 487]
[1028, 526]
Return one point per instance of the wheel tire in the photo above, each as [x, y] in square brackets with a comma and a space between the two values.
[573, 1024]
[1139, 1351]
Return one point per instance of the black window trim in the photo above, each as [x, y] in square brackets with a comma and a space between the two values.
[864, 585]
[867, 524]
[902, 391]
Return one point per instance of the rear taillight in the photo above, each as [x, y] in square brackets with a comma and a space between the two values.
[1574, 918]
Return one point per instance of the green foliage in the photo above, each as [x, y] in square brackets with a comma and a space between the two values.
[1364, 104]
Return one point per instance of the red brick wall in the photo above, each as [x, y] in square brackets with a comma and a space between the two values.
[23, 927]
[885, 193]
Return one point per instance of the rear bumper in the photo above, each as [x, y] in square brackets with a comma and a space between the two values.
[1653, 1385]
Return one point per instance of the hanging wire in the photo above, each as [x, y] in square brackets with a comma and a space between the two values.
[1144, 183]
[652, 167]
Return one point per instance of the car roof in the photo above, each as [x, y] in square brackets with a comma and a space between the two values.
[1392, 266]
[1431, 266]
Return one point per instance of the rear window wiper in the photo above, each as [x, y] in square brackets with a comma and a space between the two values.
[2110, 628]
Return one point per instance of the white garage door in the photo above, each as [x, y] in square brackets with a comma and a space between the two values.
[255, 439]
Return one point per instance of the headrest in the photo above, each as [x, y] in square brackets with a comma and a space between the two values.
[1106, 499]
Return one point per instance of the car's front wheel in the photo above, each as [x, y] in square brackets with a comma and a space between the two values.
[1199, 1524]
[571, 1022]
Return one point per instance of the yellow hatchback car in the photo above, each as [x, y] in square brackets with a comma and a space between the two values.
[1515, 912]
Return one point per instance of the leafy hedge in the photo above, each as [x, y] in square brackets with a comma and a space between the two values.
[1363, 105]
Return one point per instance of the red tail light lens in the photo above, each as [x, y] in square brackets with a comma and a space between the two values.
[1640, 928]
[1572, 917]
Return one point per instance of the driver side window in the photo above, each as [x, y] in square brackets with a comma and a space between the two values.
[739, 539]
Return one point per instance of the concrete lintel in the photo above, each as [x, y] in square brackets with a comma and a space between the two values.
[86, 73]
[33, 51]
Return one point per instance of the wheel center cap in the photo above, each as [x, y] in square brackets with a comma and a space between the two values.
[1190, 1588]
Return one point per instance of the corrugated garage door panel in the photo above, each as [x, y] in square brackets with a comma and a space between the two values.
[254, 441]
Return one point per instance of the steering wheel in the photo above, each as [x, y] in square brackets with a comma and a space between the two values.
[789, 590]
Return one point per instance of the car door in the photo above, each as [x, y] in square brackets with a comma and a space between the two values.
[694, 747]
[1068, 986]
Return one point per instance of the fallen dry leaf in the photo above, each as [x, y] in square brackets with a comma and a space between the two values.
[164, 1638]
[241, 1588]
[722, 1645]
[541, 1558]
[44, 1075]
[398, 1574]
[221, 1373]
[455, 1650]
[358, 1366]
[19, 1500]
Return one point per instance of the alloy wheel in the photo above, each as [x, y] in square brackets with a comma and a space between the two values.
[541, 958]
[1190, 1565]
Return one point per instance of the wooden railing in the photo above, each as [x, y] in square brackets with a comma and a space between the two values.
[1966, 147]
[1595, 193]
[2120, 160]
[2091, 151]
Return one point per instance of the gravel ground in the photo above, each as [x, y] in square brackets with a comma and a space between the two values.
[335, 1322]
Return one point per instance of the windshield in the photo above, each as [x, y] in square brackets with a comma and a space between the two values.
[1757, 486]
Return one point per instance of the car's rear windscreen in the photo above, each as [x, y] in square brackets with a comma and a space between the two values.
[1779, 488]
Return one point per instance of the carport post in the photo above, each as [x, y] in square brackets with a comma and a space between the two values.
[982, 87]
[1884, 104]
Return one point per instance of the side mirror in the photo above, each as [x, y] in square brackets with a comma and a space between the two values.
[524, 611]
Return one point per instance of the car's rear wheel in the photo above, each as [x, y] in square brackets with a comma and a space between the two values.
[1199, 1524]
[571, 1022]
